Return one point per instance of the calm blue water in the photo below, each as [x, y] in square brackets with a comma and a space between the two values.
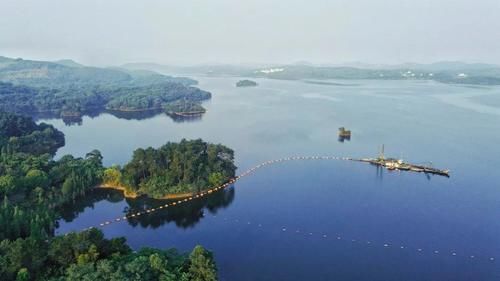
[283, 222]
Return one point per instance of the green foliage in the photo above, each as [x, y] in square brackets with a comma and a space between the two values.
[33, 185]
[155, 96]
[65, 90]
[216, 178]
[38, 258]
[188, 166]
[183, 106]
[112, 176]
[23, 275]
[202, 266]
[21, 134]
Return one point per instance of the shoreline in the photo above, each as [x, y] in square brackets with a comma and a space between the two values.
[134, 110]
[134, 195]
[187, 113]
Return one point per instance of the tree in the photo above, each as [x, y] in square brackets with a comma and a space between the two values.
[202, 267]
[23, 275]
[36, 178]
[215, 179]
[6, 184]
[112, 176]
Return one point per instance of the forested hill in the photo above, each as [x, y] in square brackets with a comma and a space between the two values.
[186, 167]
[32, 188]
[61, 74]
[69, 89]
[21, 134]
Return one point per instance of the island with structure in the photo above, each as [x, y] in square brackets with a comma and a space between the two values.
[246, 83]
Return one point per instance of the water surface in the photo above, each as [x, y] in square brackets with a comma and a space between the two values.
[283, 222]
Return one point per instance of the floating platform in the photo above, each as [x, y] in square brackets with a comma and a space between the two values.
[344, 134]
[398, 164]
[394, 164]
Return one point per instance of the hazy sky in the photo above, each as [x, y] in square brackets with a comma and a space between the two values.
[107, 32]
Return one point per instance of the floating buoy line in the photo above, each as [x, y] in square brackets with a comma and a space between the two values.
[284, 229]
[331, 238]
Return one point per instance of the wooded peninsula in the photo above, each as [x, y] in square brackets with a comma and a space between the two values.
[33, 186]
[63, 89]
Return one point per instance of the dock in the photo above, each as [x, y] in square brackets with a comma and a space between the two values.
[400, 165]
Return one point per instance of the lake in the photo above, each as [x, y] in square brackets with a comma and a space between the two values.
[321, 220]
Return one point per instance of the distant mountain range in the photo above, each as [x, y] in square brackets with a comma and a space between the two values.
[445, 72]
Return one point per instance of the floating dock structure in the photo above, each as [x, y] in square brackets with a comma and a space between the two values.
[344, 134]
[398, 164]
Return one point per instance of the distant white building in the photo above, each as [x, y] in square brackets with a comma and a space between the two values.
[270, 70]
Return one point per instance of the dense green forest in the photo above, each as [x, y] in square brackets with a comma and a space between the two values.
[188, 166]
[88, 256]
[18, 133]
[32, 187]
[69, 89]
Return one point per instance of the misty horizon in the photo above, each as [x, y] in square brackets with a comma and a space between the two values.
[256, 32]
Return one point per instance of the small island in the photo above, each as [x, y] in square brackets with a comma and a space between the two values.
[174, 170]
[246, 83]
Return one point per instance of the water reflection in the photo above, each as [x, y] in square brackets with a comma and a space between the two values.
[72, 120]
[185, 215]
[344, 138]
[185, 118]
[68, 119]
[134, 115]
